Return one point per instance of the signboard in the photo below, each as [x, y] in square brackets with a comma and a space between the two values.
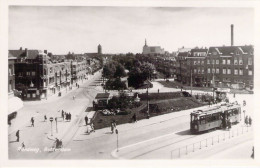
[51, 119]
[223, 90]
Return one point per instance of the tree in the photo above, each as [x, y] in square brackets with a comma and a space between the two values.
[120, 71]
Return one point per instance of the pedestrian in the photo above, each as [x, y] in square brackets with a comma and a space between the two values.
[45, 118]
[23, 146]
[114, 124]
[92, 127]
[86, 120]
[112, 127]
[32, 121]
[158, 90]
[78, 86]
[250, 121]
[246, 120]
[134, 118]
[253, 153]
[17, 135]
[234, 95]
[66, 116]
[69, 116]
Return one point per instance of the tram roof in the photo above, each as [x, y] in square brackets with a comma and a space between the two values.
[216, 109]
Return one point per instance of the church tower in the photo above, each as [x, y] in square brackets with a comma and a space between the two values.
[99, 49]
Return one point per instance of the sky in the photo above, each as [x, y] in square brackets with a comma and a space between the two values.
[124, 29]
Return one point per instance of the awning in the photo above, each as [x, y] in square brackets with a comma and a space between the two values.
[14, 104]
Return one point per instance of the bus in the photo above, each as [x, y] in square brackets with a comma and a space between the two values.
[215, 117]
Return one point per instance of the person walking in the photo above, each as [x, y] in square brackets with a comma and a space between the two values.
[17, 135]
[250, 121]
[23, 146]
[134, 118]
[32, 121]
[62, 114]
[246, 120]
[45, 118]
[112, 127]
[69, 116]
[86, 120]
[92, 127]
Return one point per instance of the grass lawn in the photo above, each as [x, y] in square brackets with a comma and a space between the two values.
[169, 106]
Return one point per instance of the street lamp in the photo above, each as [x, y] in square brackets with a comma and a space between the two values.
[117, 141]
[148, 114]
[51, 119]
[56, 120]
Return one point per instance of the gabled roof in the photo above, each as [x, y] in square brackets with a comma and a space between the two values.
[228, 50]
[102, 96]
[183, 54]
[31, 54]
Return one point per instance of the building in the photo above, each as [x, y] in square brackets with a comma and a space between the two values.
[14, 102]
[37, 76]
[196, 67]
[101, 100]
[152, 50]
[230, 66]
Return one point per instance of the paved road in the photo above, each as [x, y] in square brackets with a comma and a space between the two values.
[36, 137]
[100, 144]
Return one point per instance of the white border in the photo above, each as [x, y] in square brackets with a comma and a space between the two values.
[119, 163]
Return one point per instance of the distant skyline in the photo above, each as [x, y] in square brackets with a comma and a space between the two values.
[124, 29]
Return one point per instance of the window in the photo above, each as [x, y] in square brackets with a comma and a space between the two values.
[202, 71]
[208, 61]
[224, 71]
[250, 61]
[213, 70]
[250, 72]
[33, 73]
[51, 70]
[28, 73]
[240, 61]
[229, 71]
[195, 70]
[228, 61]
[213, 61]
[236, 72]
[217, 70]
[223, 61]
[241, 72]
[198, 61]
[195, 62]
[237, 52]
[235, 61]
[217, 61]
[214, 53]
[208, 70]
[202, 62]
[199, 70]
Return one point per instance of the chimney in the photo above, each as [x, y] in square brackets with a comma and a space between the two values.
[45, 51]
[232, 35]
[21, 48]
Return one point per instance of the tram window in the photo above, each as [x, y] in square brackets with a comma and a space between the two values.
[235, 111]
[202, 120]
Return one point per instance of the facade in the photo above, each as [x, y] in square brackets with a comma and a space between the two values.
[152, 50]
[37, 76]
[226, 66]
[196, 67]
[231, 66]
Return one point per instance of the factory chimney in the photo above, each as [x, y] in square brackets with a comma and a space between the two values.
[232, 35]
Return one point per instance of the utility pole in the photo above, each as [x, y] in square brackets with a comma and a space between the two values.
[148, 115]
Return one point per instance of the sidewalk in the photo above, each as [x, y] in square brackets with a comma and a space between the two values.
[37, 109]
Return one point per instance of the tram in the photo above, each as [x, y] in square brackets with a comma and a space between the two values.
[215, 117]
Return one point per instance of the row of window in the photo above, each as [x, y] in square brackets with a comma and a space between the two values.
[224, 61]
[227, 71]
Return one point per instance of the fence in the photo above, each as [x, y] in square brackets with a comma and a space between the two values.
[207, 142]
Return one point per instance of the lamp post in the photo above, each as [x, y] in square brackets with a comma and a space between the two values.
[56, 120]
[117, 141]
[148, 115]
[51, 119]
